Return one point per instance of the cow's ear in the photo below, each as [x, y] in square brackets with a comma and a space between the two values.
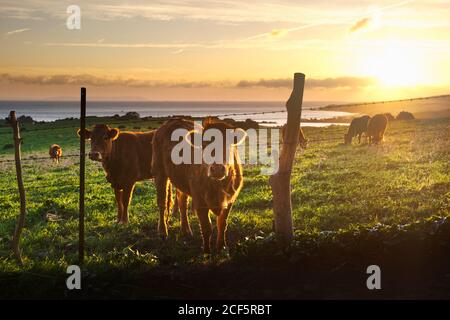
[114, 133]
[87, 133]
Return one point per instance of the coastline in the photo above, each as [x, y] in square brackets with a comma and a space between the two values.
[422, 107]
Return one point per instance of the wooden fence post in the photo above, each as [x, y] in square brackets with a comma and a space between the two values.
[281, 181]
[23, 202]
[82, 175]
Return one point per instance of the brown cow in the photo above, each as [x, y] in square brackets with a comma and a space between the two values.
[126, 158]
[212, 187]
[376, 128]
[302, 141]
[55, 152]
[357, 127]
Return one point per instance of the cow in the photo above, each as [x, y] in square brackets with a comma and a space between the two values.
[55, 153]
[357, 127]
[376, 128]
[214, 186]
[302, 141]
[126, 158]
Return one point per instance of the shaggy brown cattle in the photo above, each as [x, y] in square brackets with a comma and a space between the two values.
[376, 128]
[55, 152]
[405, 115]
[302, 141]
[212, 187]
[126, 158]
[357, 127]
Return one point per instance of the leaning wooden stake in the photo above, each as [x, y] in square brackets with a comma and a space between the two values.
[280, 182]
[23, 202]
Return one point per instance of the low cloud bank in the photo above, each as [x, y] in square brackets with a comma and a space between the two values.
[96, 81]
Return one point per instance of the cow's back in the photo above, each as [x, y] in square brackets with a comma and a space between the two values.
[377, 124]
[358, 125]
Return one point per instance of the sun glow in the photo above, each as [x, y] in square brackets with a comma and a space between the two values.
[396, 64]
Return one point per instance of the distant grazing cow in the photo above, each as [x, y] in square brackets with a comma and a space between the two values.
[212, 187]
[126, 158]
[302, 141]
[405, 115]
[357, 127]
[55, 152]
[376, 128]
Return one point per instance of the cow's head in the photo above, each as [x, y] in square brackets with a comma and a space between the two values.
[219, 169]
[101, 137]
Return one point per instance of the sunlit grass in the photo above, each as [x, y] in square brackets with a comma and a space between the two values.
[334, 187]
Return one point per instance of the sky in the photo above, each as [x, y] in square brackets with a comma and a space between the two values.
[349, 50]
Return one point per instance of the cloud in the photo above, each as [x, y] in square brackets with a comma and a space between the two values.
[222, 11]
[152, 45]
[267, 83]
[341, 82]
[97, 81]
[10, 33]
[327, 83]
[278, 32]
[368, 23]
[360, 24]
[178, 47]
[371, 22]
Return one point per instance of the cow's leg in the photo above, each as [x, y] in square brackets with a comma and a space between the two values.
[169, 201]
[222, 229]
[182, 199]
[118, 192]
[162, 186]
[359, 138]
[126, 199]
[175, 208]
[206, 229]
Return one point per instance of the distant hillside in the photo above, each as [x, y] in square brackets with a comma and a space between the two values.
[422, 108]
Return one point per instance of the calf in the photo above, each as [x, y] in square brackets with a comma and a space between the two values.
[376, 128]
[126, 158]
[212, 187]
[55, 153]
[302, 141]
[357, 127]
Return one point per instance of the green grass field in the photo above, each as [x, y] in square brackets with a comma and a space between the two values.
[334, 188]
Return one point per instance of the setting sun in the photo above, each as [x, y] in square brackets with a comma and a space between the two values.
[396, 64]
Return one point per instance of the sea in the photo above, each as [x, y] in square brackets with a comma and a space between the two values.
[274, 111]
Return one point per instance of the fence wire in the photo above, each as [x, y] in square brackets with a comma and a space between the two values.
[310, 140]
[64, 185]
